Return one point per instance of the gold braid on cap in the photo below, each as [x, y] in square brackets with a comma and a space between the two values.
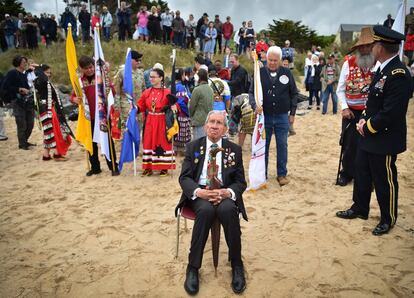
[380, 38]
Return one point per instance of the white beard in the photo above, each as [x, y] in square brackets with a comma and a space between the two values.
[366, 61]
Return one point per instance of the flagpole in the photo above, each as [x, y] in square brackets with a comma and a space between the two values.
[108, 117]
[135, 160]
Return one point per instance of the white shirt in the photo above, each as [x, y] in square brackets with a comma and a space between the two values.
[203, 177]
[166, 19]
[383, 64]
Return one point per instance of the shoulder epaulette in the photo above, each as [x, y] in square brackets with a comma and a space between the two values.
[398, 70]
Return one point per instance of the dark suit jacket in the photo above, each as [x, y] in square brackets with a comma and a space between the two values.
[233, 175]
[386, 127]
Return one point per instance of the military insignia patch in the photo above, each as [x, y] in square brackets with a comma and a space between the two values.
[398, 70]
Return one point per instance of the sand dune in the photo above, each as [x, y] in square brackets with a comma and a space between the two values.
[63, 234]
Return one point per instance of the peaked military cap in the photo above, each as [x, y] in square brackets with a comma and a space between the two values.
[387, 35]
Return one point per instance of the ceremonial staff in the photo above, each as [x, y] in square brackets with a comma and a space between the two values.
[171, 101]
[341, 142]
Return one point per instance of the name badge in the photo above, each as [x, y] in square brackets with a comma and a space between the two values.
[284, 79]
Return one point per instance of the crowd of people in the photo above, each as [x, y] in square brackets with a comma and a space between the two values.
[153, 25]
[215, 99]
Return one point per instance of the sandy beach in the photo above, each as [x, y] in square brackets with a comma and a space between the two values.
[63, 234]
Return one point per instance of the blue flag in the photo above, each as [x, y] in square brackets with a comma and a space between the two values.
[130, 137]
[128, 86]
[131, 133]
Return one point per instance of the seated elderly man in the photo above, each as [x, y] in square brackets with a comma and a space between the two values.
[225, 203]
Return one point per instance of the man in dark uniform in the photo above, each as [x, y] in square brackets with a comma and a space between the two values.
[383, 129]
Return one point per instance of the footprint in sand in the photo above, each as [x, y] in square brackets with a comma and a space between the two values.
[36, 174]
[250, 209]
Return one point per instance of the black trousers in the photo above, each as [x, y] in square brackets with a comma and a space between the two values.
[219, 39]
[228, 215]
[94, 158]
[350, 144]
[381, 171]
[24, 122]
[166, 34]
[123, 30]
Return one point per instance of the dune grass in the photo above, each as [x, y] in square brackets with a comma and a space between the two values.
[114, 52]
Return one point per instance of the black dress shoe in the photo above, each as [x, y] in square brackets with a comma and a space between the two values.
[381, 229]
[343, 180]
[191, 284]
[238, 282]
[24, 147]
[93, 172]
[115, 173]
[31, 144]
[351, 214]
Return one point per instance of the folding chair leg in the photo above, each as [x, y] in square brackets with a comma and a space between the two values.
[178, 234]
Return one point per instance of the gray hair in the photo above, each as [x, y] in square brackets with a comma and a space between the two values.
[224, 113]
[274, 50]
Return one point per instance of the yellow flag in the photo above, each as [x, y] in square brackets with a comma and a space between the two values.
[83, 131]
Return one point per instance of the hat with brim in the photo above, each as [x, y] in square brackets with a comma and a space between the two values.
[136, 55]
[364, 39]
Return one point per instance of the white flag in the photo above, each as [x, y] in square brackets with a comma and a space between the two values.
[104, 99]
[257, 167]
[399, 23]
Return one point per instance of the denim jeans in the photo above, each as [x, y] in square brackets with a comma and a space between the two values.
[107, 33]
[10, 41]
[329, 90]
[279, 123]
[178, 39]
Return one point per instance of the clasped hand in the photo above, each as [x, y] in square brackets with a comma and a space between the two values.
[214, 196]
[360, 126]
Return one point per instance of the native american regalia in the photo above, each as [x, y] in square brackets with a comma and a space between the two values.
[248, 116]
[357, 83]
[56, 132]
[184, 121]
[158, 153]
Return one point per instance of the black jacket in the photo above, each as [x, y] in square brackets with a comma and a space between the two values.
[280, 95]
[386, 127]
[85, 19]
[13, 80]
[238, 81]
[233, 176]
[317, 84]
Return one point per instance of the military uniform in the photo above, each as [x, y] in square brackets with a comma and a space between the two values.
[385, 135]
[121, 101]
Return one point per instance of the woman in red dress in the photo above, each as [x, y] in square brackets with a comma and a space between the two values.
[158, 153]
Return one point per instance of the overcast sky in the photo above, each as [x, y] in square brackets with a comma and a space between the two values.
[324, 16]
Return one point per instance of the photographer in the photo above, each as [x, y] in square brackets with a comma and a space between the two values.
[17, 92]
